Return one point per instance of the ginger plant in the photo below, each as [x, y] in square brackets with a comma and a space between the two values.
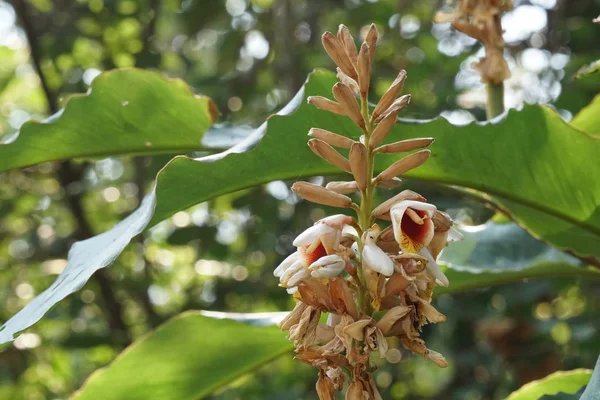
[372, 283]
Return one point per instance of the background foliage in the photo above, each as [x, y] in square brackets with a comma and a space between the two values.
[251, 57]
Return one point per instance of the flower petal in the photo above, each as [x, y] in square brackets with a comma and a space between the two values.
[434, 269]
[373, 257]
[327, 267]
[285, 264]
[454, 235]
[298, 277]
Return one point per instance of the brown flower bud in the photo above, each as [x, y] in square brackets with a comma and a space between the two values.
[344, 96]
[405, 145]
[441, 221]
[417, 345]
[397, 106]
[437, 358]
[331, 138]
[371, 40]
[328, 153]
[383, 128]
[347, 41]
[389, 184]
[323, 103]
[320, 195]
[364, 70]
[384, 208]
[388, 97]
[404, 165]
[358, 164]
[430, 312]
[337, 53]
[411, 263]
[342, 187]
[346, 80]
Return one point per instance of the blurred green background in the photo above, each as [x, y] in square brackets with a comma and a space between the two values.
[251, 57]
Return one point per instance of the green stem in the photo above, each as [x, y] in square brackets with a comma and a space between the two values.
[495, 99]
[366, 202]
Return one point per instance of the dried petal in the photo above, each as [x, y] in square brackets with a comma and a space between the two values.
[342, 187]
[430, 312]
[328, 153]
[342, 298]
[405, 145]
[325, 389]
[392, 316]
[343, 94]
[293, 317]
[358, 164]
[324, 333]
[331, 138]
[405, 164]
[316, 295]
[396, 284]
[318, 194]
[355, 392]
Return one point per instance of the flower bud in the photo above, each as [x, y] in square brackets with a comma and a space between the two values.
[405, 145]
[337, 53]
[331, 138]
[320, 195]
[328, 153]
[371, 40]
[405, 164]
[383, 128]
[346, 99]
[384, 208]
[323, 103]
[358, 164]
[364, 70]
[388, 97]
[397, 106]
[342, 187]
[347, 41]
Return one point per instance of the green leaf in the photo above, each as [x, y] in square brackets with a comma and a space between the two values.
[587, 118]
[188, 357]
[568, 382]
[127, 112]
[495, 254]
[531, 164]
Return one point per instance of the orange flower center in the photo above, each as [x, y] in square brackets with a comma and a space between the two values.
[309, 258]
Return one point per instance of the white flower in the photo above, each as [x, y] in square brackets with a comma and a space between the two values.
[327, 267]
[373, 257]
[413, 227]
[285, 264]
[433, 268]
[319, 234]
